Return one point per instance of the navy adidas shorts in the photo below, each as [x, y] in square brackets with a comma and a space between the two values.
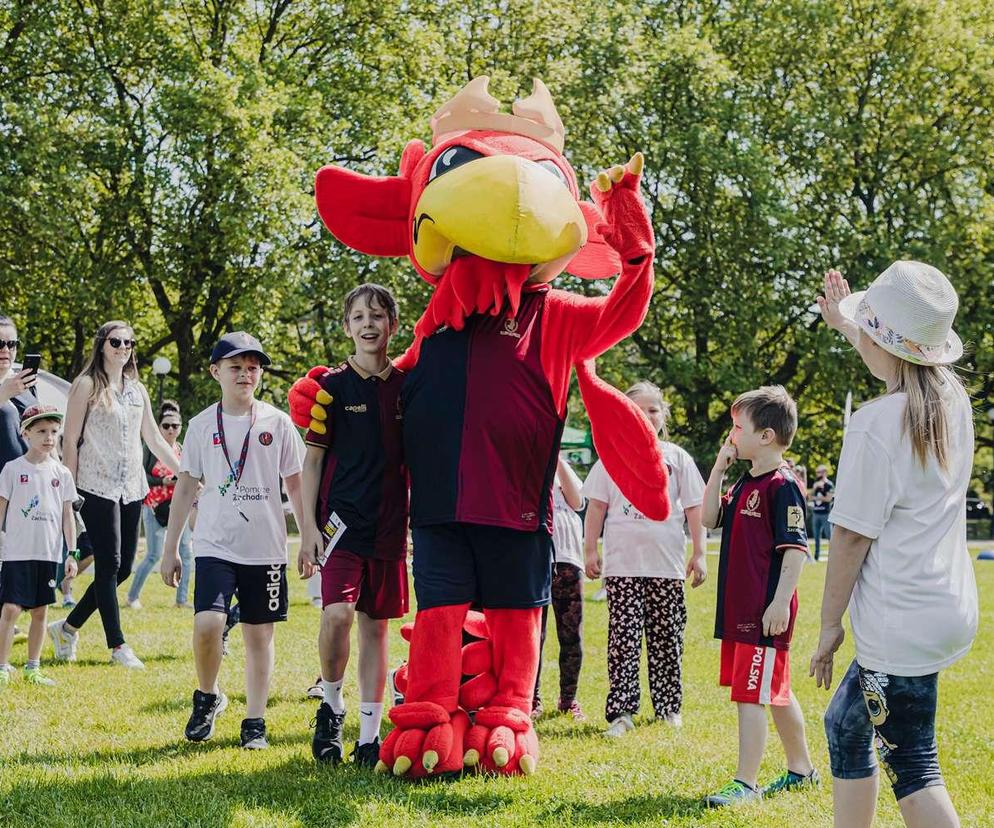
[28, 584]
[487, 566]
[262, 589]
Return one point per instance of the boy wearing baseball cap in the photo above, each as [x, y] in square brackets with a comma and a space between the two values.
[36, 497]
[238, 450]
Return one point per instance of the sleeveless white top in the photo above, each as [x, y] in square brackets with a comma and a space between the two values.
[110, 458]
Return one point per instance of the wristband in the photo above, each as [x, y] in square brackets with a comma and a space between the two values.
[74, 553]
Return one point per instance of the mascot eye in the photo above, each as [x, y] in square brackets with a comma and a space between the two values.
[552, 167]
[450, 159]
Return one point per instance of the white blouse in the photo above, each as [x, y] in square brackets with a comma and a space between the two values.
[110, 457]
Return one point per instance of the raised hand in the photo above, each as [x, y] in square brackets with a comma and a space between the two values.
[626, 224]
[836, 289]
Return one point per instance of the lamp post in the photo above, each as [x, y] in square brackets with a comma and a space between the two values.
[160, 367]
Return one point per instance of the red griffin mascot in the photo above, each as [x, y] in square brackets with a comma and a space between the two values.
[490, 215]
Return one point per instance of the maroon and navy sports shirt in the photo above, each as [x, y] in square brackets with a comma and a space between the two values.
[364, 478]
[481, 430]
[760, 518]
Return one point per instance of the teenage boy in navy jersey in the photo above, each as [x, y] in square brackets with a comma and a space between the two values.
[763, 547]
[355, 513]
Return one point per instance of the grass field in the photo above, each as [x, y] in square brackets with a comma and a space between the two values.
[105, 747]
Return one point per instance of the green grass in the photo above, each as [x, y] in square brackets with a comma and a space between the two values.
[105, 747]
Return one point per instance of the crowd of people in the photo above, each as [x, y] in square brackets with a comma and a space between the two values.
[212, 508]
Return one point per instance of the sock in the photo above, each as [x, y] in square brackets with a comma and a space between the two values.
[370, 717]
[333, 695]
[33, 664]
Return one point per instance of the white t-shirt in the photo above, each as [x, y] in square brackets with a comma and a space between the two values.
[567, 530]
[242, 523]
[35, 495]
[914, 606]
[634, 545]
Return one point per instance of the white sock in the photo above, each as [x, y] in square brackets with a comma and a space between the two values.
[333, 694]
[370, 717]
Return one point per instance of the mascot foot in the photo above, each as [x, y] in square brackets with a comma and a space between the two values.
[426, 741]
[502, 741]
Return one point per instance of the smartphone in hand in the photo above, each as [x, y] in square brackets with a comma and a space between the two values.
[32, 362]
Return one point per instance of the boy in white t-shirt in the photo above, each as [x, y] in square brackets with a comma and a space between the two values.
[239, 449]
[36, 497]
[644, 573]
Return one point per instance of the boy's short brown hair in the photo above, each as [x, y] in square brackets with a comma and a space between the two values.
[370, 291]
[770, 406]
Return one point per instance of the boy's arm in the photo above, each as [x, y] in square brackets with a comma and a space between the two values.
[711, 508]
[179, 510]
[3, 509]
[570, 485]
[697, 568]
[311, 540]
[69, 533]
[777, 616]
[306, 564]
[593, 523]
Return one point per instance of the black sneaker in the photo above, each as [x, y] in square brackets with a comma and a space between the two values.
[367, 755]
[327, 742]
[206, 708]
[254, 734]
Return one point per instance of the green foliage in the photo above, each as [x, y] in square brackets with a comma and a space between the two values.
[157, 161]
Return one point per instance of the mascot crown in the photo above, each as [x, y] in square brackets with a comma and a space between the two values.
[474, 108]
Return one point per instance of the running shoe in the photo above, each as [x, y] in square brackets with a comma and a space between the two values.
[599, 595]
[619, 726]
[134, 604]
[315, 691]
[791, 781]
[537, 709]
[367, 755]
[672, 719]
[65, 643]
[206, 708]
[395, 694]
[68, 602]
[126, 657]
[734, 793]
[34, 675]
[326, 746]
[573, 708]
[254, 734]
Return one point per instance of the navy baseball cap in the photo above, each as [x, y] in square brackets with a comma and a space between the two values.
[239, 342]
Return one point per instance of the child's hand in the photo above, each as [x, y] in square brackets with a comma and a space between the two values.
[171, 568]
[836, 289]
[829, 641]
[71, 568]
[776, 618]
[592, 559]
[697, 570]
[727, 455]
[307, 557]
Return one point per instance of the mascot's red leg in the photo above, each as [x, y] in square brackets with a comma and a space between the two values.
[430, 729]
[502, 738]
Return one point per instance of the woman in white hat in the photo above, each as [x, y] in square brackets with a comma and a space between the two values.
[899, 556]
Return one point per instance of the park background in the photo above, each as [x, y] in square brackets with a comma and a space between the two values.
[157, 163]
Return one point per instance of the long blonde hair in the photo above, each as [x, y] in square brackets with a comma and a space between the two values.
[925, 419]
[94, 368]
[644, 388]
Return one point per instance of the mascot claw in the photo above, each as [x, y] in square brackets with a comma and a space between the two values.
[502, 741]
[426, 741]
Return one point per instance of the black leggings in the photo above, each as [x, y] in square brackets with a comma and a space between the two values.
[113, 530]
[567, 604]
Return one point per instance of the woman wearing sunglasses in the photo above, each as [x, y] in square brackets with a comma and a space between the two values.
[108, 415]
[155, 512]
[14, 394]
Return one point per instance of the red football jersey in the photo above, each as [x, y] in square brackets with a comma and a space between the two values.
[760, 518]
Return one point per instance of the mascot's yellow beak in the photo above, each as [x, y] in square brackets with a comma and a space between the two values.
[501, 207]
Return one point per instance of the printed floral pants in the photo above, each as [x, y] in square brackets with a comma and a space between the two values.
[567, 605]
[655, 605]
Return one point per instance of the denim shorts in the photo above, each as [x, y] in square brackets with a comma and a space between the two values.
[895, 714]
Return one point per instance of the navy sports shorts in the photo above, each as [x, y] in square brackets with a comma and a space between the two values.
[488, 566]
[28, 584]
[894, 714]
[262, 589]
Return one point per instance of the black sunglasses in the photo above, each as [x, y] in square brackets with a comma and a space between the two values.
[117, 343]
[171, 425]
[10, 343]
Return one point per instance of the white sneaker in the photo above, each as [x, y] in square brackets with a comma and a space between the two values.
[672, 719]
[126, 657]
[620, 726]
[64, 642]
[135, 605]
[600, 595]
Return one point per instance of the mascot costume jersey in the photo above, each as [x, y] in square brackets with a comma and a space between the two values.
[490, 215]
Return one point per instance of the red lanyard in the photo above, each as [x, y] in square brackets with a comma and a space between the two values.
[236, 473]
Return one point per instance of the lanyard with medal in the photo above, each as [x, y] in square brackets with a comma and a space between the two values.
[235, 473]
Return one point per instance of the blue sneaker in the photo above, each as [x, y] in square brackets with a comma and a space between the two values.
[791, 781]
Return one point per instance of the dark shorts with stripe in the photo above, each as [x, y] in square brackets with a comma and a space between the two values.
[488, 566]
[261, 588]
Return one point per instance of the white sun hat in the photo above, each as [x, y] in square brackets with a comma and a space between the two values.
[908, 310]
